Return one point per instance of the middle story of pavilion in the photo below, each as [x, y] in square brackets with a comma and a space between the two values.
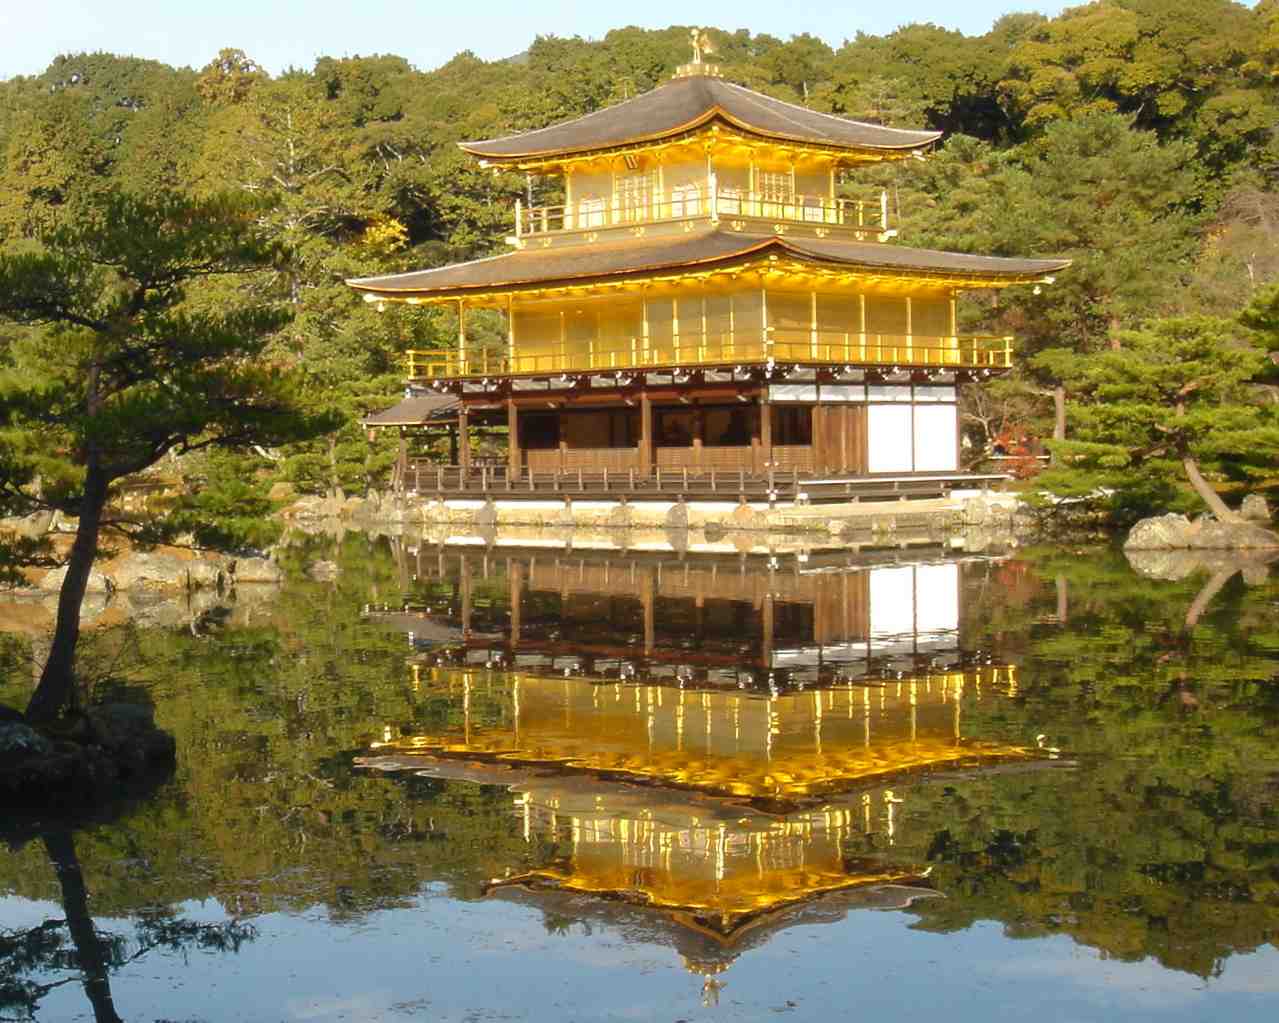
[707, 297]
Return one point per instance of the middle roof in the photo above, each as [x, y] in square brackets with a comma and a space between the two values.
[690, 102]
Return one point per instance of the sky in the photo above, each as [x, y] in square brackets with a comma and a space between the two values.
[292, 33]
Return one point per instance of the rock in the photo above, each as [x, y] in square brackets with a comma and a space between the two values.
[322, 571]
[1164, 565]
[257, 570]
[677, 517]
[30, 527]
[714, 532]
[621, 517]
[486, 515]
[282, 491]
[208, 572]
[1233, 536]
[151, 571]
[306, 508]
[746, 517]
[51, 582]
[976, 511]
[128, 731]
[1160, 533]
[1255, 509]
[19, 741]
[1176, 532]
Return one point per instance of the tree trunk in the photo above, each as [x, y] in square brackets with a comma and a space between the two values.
[1059, 412]
[1204, 597]
[1210, 497]
[1115, 326]
[90, 954]
[56, 689]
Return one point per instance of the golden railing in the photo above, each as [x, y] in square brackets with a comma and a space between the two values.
[798, 346]
[594, 214]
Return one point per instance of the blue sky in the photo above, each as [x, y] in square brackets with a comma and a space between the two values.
[283, 33]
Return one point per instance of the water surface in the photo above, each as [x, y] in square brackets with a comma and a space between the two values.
[480, 783]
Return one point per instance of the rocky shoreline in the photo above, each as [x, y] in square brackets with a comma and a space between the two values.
[82, 758]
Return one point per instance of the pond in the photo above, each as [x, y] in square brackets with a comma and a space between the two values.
[539, 783]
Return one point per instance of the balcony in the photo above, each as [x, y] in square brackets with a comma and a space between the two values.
[857, 215]
[814, 348]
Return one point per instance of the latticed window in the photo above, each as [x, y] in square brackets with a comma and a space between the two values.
[776, 186]
[635, 196]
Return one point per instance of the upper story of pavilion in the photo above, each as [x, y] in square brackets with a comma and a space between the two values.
[705, 226]
[701, 150]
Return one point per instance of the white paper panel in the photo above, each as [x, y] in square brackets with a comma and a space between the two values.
[936, 599]
[936, 438]
[892, 602]
[793, 392]
[888, 429]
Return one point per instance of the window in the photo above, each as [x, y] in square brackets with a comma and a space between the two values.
[673, 429]
[635, 196]
[727, 427]
[539, 431]
[792, 425]
[686, 201]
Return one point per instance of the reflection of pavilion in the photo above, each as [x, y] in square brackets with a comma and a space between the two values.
[709, 877]
[699, 621]
[700, 750]
[771, 749]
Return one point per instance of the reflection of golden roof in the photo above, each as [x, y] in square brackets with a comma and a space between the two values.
[783, 748]
[717, 870]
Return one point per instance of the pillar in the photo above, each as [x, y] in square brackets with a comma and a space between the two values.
[646, 435]
[515, 582]
[463, 441]
[464, 586]
[513, 435]
[765, 432]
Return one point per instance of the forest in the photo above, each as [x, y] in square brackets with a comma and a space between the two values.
[1136, 137]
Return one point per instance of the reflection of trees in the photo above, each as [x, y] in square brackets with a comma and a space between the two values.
[91, 953]
[1161, 844]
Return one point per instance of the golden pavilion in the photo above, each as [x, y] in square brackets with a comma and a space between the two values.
[706, 305]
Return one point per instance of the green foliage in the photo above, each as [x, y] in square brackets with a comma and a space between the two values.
[1178, 389]
[228, 508]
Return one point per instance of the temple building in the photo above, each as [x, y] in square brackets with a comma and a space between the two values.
[706, 300]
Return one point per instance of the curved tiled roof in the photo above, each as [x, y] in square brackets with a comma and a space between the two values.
[533, 266]
[690, 102]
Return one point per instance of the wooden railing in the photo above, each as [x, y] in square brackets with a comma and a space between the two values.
[594, 214]
[780, 483]
[735, 348]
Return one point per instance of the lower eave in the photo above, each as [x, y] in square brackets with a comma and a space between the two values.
[534, 268]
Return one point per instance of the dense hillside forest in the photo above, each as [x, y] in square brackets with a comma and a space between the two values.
[1135, 136]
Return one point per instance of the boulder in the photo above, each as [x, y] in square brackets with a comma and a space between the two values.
[151, 571]
[19, 741]
[30, 527]
[976, 511]
[621, 517]
[677, 517]
[1176, 532]
[208, 572]
[1160, 533]
[51, 582]
[322, 571]
[282, 491]
[1233, 536]
[1255, 509]
[714, 532]
[257, 570]
[128, 732]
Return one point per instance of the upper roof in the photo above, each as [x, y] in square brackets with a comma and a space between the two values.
[546, 267]
[690, 102]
